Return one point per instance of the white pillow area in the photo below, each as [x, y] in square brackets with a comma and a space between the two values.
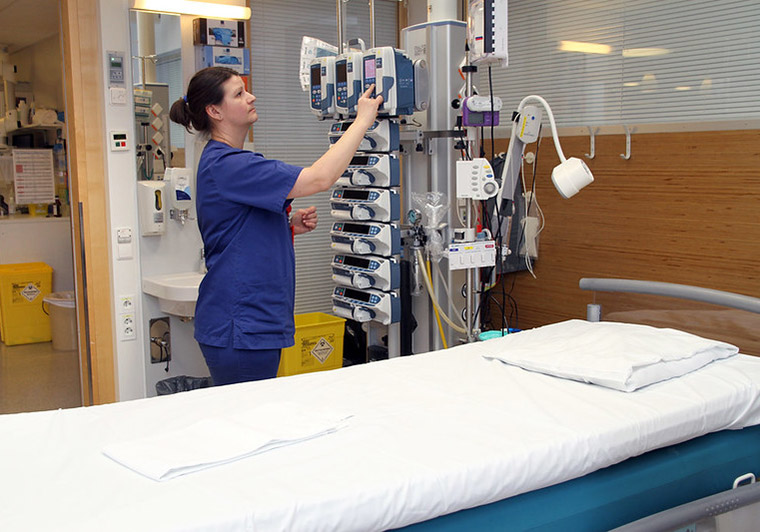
[623, 356]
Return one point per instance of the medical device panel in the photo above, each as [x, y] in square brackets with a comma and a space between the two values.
[487, 31]
[382, 136]
[393, 76]
[481, 111]
[476, 180]
[375, 204]
[322, 86]
[375, 170]
[366, 272]
[466, 255]
[368, 238]
[366, 305]
[348, 82]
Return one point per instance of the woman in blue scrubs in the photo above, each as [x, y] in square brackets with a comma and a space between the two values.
[244, 313]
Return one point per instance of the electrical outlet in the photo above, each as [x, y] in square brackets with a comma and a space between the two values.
[127, 303]
[127, 329]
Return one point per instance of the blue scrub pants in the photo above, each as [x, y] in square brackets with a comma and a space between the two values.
[228, 365]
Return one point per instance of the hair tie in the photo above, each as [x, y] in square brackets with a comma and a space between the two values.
[185, 98]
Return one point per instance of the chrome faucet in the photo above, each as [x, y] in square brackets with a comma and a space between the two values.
[202, 268]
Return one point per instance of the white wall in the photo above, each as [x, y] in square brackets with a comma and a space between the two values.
[177, 250]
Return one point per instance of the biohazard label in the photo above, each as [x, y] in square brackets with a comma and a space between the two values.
[30, 292]
[322, 350]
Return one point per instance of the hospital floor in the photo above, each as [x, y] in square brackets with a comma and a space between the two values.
[37, 377]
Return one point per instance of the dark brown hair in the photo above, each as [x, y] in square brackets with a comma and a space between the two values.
[204, 89]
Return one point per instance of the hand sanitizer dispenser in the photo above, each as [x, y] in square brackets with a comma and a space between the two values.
[180, 183]
[150, 202]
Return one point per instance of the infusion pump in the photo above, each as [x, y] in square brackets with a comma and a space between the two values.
[366, 305]
[367, 238]
[382, 136]
[371, 170]
[366, 272]
[377, 204]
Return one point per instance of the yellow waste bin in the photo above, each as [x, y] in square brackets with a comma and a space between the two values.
[319, 345]
[22, 289]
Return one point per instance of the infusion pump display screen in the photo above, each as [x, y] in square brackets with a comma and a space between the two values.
[359, 160]
[316, 78]
[351, 194]
[340, 72]
[356, 228]
[369, 67]
[356, 262]
[357, 295]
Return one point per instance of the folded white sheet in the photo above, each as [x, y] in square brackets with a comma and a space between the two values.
[216, 441]
[623, 356]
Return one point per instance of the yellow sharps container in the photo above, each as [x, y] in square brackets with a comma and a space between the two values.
[22, 288]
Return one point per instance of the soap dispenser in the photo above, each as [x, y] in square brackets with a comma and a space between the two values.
[150, 202]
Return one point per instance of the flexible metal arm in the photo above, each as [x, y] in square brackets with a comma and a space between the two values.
[681, 291]
[555, 135]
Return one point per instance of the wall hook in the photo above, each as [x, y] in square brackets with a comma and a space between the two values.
[627, 154]
[592, 135]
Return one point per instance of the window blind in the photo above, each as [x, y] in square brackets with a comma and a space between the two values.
[286, 129]
[653, 61]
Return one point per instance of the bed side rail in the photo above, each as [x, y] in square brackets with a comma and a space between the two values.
[687, 514]
[681, 291]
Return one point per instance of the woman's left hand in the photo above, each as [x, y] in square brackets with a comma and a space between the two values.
[304, 220]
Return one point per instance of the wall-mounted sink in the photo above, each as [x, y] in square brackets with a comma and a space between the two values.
[176, 292]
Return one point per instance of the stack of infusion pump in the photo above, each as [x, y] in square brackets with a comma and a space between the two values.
[365, 203]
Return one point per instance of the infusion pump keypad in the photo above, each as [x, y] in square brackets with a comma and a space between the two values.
[476, 180]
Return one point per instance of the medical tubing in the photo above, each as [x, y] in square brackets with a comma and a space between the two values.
[431, 293]
[446, 290]
[437, 314]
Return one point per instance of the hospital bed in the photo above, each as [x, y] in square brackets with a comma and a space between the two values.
[447, 440]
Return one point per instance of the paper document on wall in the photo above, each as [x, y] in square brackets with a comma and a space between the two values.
[34, 180]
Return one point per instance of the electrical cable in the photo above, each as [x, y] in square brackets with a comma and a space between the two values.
[437, 314]
[446, 291]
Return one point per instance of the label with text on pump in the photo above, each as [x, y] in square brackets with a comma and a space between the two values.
[322, 87]
[371, 170]
[476, 179]
[366, 272]
[376, 204]
[348, 82]
[382, 136]
[393, 75]
[366, 305]
[366, 238]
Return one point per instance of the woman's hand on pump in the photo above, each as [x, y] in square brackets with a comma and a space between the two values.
[326, 170]
[367, 106]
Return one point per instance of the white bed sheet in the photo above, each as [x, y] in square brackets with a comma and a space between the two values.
[430, 435]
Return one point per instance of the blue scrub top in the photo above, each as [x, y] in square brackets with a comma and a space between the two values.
[246, 299]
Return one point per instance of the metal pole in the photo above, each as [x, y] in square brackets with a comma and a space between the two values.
[339, 13]
[371, 23]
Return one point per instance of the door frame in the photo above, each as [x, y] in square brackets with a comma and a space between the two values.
[85, 108]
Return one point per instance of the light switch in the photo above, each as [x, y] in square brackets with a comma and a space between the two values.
[118, 96]
[124, 243]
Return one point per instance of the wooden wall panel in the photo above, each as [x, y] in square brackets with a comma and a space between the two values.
[84, 118]
[684, 209]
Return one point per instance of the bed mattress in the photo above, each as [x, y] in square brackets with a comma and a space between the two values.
[428, 435]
